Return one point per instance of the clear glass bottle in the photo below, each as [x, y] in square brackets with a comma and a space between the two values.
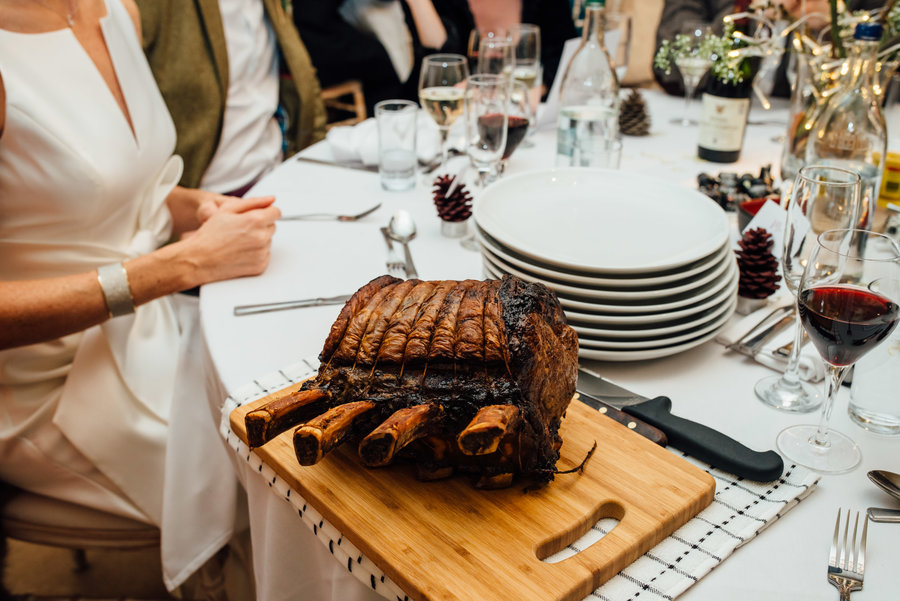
[588, 98]
[850, 131]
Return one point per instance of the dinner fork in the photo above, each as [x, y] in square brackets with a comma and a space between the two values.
[327, 216]
[846, 563]
[395, 265]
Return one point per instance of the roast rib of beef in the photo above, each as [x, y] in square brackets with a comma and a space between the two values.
[470, 375]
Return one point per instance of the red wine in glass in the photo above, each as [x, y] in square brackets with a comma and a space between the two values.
[846, 322]
[490, 126]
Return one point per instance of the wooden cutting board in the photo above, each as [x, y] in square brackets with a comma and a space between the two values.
[445, 540]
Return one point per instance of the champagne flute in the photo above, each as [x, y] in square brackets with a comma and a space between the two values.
[486, 115]
[822, 198]
[849, 302]
[617, 40]
[496, 55]
[519, 122]
[441, 91]
[692, 62]
[526, 39]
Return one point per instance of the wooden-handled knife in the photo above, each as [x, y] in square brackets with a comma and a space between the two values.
[697, 440]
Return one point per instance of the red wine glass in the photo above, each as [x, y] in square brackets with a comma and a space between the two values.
[849, 302]
[518, 123]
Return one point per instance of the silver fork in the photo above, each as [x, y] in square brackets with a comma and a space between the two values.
[846, 563]
[329, 216]
[395, 265]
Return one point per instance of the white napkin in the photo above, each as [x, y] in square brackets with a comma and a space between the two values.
[740, 510]
[812, 367]
[360, 142]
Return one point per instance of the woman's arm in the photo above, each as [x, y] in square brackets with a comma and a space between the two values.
[428, 23]
[233, 242]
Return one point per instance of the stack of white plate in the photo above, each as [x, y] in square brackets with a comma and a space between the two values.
[641, 267]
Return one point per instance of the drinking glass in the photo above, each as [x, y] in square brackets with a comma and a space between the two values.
[617, 40]
[849, 302]
[526, 39]
[441, 90]
[692, 63]
[519, 121]
[821, 198]
[496, 55]
[486, 113]
[475, 38]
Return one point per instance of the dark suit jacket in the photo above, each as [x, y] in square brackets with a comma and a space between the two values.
[185, 44]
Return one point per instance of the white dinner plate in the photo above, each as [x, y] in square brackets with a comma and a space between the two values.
[646, 331]
[624, 280]
[714, 300]
[621, 294]
[601, 221]
[652, 306]
[642, 355]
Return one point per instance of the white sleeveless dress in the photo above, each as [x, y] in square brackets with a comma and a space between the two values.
[85, 418]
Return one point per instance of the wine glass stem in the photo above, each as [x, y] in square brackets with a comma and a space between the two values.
[833, 384]
[792, 369]
[690, 86]
[445, 132]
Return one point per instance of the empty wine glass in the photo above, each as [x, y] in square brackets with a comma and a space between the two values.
[474, 43]
[692, 61]
[441, 91]
[821, 198]
[617, 40]
[519, 121]
[849, 302]
[496, 55]
[486, 113]
[526, 39]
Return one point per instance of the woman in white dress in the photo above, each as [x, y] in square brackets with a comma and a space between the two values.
[91, 331]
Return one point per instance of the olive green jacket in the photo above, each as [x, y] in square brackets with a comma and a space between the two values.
[185, 44]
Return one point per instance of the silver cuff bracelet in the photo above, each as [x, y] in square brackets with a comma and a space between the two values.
[114, 283]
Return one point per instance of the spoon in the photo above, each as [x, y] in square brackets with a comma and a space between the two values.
[889, 482]
[402, 229]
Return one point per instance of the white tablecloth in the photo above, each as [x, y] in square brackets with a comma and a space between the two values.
[786, 562]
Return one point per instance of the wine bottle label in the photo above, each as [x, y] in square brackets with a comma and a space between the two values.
[722, 122]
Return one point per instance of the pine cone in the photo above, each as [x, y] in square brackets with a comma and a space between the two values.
[634, 120]
[458, 207]
[758, 266]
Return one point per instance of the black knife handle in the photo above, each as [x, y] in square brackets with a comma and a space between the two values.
[629, 421]
[707, 444]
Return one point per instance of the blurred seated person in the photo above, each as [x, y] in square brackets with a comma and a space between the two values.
[381, 43]
[238, 83]
[95, 347]
[676, 14]
[554, 17]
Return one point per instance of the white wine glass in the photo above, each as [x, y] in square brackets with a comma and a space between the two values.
[693, 61]
[849, 303]
[441, 90]
[821, 198]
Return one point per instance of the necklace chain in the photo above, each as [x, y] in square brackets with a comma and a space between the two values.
[71, 11]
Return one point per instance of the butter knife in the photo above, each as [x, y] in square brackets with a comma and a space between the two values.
[697, 440]
[764, 331]
[344, 164]
[294, 304]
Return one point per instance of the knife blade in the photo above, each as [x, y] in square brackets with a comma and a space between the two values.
[629, 421]
[346, 165]
[697, 440]
[294, 304]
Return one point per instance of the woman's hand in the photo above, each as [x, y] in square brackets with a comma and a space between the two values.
[234, 239]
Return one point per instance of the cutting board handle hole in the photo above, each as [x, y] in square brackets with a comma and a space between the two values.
[582, 535]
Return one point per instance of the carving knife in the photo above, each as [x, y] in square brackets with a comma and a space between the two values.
[697, 440]
[629, 421]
